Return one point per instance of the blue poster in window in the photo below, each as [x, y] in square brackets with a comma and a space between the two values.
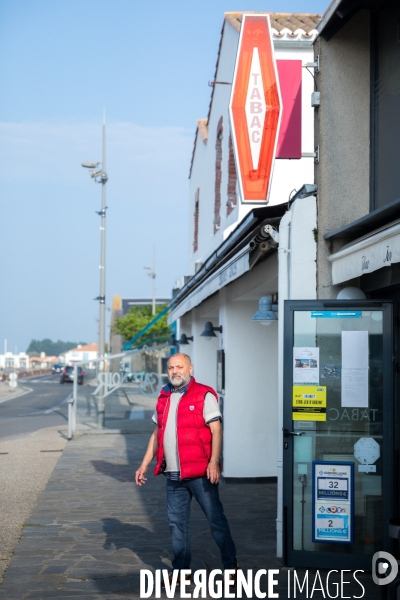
[333, 502]
[332, 527]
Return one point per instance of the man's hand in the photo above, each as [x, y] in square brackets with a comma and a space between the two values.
[148, 457]
[140, 475]
[213, 472]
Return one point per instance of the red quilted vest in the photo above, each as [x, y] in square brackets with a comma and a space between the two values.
[194, 436]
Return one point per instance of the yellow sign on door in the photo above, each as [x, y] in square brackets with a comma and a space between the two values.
[309, 403]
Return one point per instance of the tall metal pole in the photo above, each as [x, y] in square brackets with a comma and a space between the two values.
[100, 176]
[102, 297]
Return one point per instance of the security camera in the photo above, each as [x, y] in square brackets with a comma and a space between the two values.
[272, 232]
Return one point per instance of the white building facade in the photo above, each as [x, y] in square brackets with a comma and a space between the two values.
[86, 353]
[240, 253]
[10, 361]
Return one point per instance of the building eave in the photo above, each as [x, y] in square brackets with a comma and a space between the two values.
[234, 243]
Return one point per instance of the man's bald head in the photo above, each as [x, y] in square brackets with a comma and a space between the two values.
[179, 369]
[181, 355]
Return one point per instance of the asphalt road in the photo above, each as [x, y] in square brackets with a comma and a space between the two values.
[45, 406]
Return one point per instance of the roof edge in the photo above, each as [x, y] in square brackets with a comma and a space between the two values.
[234, 19]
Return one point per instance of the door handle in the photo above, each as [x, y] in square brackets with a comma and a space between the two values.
[286, 433]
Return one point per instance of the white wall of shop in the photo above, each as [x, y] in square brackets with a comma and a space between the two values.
[287, 174]
[251, 388]
[250, 399]
[250, 402]
[302, 267]
[251, 382]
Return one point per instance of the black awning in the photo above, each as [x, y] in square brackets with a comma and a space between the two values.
[237, 239]
[371, 221]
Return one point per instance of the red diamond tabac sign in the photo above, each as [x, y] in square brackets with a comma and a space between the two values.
[255, 109]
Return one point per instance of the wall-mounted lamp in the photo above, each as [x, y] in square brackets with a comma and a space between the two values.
[184, 339]
[209, 329]
[172, 340]
[266, 311]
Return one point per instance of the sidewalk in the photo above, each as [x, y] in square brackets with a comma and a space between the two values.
[93, 529]
[26, 464]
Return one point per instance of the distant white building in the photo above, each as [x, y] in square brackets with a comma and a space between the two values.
[42, 361]
[10, 361]
[85, 353]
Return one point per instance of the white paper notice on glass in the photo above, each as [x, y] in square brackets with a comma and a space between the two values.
[306, 366]
[355, 369]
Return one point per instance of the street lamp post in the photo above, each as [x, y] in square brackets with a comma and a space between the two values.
[100, 176]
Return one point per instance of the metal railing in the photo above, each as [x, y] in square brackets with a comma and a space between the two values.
[117, 393]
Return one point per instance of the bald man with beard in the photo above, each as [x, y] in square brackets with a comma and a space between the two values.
[187, 443]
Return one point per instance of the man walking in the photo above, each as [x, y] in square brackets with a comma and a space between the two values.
[187, 443]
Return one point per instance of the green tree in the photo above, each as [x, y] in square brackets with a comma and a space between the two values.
[137, 318]
[51, 348]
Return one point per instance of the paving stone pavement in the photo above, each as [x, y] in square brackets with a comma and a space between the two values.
[93, 529]
[26, 463]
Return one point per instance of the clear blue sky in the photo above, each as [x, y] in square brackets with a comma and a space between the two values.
[61, 62]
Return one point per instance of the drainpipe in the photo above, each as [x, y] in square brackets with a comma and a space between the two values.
[283, 294]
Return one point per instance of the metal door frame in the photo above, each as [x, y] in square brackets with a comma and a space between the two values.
[304, 558]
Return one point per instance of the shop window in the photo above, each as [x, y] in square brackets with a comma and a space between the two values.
[232, 179]
[218, 176]
[196, 220]
[385, 184]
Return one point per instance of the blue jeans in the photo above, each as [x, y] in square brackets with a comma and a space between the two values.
[179, 497]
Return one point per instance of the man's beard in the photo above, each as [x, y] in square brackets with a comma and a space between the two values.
[179, 381]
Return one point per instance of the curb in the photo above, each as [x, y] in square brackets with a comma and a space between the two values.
[16, 394]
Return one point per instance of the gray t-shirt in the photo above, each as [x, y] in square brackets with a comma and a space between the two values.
[211, 411]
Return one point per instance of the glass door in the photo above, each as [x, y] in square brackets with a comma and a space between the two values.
[338, 432]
